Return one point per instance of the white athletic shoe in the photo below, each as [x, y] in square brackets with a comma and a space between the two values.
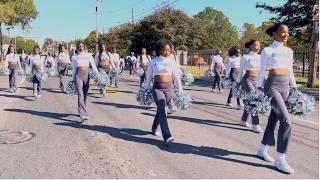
[35, 95]
[39, 95]
[169, 140]
[257, 128]
[172, 110]
[11, 90]
[283, 166]
[156, 133]
[221, 91]
[264, 155]
[229, 104]
[214, 90]
[245, 124]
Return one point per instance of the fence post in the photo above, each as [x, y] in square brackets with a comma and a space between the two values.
[303, 65]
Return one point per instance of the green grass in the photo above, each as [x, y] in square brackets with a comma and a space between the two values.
[302, 82]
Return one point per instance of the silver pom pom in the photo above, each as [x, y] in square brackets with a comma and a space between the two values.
[227, 83]
[4, 71]
[71, 88]
[139, 71]
[300, 103]
[183, 100]
[238, 92]
[29, 78]
[41, 76]
[51, 72]
[256, 102]
[114, 72]
[100, 79]
[209, 74]
[187, 78]
[145, 97]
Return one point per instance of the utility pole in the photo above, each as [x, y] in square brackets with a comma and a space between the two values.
[97, 26]
[314, 47]
[1, 42]
[132, 16]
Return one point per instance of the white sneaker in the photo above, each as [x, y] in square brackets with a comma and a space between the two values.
[156, 133]
[214, 90]
[245, 124]
[83, 118]
[11, 90]
[221, 91]
[169, 140]
[172, 110]
[39, 96]
[265, 155]
[283, 166]
[229, 104]
[35, 95]
[257, 128]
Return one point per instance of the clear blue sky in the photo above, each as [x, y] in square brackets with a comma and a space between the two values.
[70, 19]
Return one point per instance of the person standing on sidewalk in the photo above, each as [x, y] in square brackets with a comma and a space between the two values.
[12, 61]
[278, 60]
[250, 64]
[166, 78]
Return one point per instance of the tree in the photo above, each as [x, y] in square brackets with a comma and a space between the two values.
[220, 32]
[174, 25]
[120, 37]
[257, 33]
[47, 43]
[25, 44]
[90, 41]
[297, 14]
[16, 12]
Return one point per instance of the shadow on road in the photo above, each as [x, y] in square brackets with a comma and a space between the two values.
[205, 122]
[132, 135]
[52, 115]
[123, 106]
[26, 98]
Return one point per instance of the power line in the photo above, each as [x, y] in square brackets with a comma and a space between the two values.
[126, 8]
[155, 9]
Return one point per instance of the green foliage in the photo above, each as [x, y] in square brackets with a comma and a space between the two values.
[174, 25]
[297, 14]
[90, 41]
[220, 33]
[257, 33]
[25, 44]
[14, 12]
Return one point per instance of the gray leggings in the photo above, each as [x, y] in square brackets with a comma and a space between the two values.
[217, 77]
[278, 88]
[249, 83]
[233, 76]
[12, 76]
[83, 82]
[163, 93]
[63, 70]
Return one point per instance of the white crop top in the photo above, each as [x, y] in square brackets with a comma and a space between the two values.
[250, 61]
[216, 60]
[82, 59]
[37, 61]
[163, 66]
[63, 57]
[276, 56]
[12, 58]
[234, 62]
[50, 60]
[144, 60]
[104, 55]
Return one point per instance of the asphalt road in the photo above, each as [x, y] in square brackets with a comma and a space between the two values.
[116, 141]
